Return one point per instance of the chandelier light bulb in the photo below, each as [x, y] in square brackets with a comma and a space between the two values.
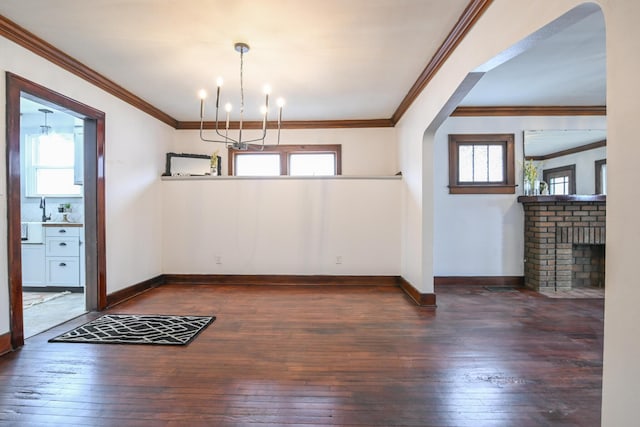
[263, 110]
[281, 102]
[227, 107]
[267, 89]
[202, 94]
[219, 81]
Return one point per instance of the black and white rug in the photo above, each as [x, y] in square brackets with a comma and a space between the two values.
[138, 329]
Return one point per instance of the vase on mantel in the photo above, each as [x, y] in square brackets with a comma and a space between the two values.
[527, 188]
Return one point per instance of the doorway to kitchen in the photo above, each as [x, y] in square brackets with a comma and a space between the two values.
[55, 208]
[52, 215]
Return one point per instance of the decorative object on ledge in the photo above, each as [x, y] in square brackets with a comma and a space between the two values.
[530, 172]
[238, 143]
[190, 165]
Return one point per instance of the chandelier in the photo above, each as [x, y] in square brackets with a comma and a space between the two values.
[223, 134]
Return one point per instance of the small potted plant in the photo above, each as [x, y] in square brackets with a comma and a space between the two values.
[530, 177]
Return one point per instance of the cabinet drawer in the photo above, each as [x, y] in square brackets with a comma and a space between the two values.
[62, 231]
[63, 246]
[63, 272]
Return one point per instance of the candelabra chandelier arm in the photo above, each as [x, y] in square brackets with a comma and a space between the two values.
[224, 138]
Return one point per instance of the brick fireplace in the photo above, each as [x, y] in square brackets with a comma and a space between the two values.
[564, 241]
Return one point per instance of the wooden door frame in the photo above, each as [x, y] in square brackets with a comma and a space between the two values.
[15, 87]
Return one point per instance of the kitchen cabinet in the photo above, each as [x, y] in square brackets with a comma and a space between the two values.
[33, 264]
[56, 261]
[62, 256]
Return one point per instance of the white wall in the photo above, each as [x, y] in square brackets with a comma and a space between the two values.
[282, 226]
[288, 226]
[517, 19]
[483, 234]
[135, 146]
[365, 152]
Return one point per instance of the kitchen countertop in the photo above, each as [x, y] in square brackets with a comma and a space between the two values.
[61, 224]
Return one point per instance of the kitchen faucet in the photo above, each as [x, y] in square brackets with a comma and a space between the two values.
[43, 206]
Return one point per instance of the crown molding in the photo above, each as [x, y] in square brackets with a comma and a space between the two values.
[295, 124]
[580, 149]
[587, 110]
[19, 35]
[471, 14]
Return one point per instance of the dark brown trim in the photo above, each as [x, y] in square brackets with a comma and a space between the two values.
[423, 300]
[278, 279]
[296, 124]
[122, 295]
[5, 343]
[471, 14]
[507, 186]
[586, 110]
[15, 87]
[482, 189]
[515, 281]
[30, 41]
[580, 149]
[285, 151]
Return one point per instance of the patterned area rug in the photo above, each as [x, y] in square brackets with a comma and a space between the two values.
[138, 329]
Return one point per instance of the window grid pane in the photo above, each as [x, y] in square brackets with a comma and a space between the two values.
[496, 171]
[559, 185]
[481, 163]
[465, 163]
[257, 164]
[312, 164]
[56, 182]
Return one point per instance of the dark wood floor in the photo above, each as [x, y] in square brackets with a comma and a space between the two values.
[316, 356]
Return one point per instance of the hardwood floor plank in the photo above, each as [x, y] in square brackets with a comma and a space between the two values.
[323, 356]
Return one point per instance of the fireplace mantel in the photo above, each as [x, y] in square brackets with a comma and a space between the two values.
[564, 198]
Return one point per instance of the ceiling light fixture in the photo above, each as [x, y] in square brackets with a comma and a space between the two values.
[238, 143]
[45, 128]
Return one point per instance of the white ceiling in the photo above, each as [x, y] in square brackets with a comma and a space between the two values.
[331, 59]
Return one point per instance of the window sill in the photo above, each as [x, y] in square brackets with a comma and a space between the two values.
[482, 189]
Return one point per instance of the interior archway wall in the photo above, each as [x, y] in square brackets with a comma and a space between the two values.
[505, 24]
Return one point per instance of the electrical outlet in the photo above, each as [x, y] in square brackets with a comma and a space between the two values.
[218, 259]
[339, 259]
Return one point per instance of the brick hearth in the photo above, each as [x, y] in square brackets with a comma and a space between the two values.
[564, 241]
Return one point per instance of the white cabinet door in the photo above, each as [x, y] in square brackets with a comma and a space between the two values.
[63, 272]
[33, 265]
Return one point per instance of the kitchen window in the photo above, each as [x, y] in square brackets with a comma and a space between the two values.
[292, 160]
[481, 164]
[49, 165]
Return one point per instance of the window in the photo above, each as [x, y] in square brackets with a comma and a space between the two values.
[601, 176]
[50, 165]
[293, 160]
[561, 180]
[481, 164]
